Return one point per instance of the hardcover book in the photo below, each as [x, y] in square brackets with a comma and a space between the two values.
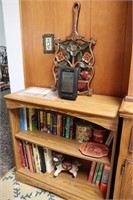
[22, 119]
[91, 173]
[99, 175]
[36, 158]
[42, 159]
[29, 155]
[95, 173]
[59, 124]
[67, 127]
[48, 160]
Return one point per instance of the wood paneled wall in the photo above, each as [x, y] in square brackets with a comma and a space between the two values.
[109, 22]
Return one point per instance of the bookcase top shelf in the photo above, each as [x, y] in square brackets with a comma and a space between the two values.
[86, 107]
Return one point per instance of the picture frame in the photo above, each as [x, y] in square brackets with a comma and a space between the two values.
[48, 43]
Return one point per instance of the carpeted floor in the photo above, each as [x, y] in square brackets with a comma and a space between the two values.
[10, 189]
[6, 149]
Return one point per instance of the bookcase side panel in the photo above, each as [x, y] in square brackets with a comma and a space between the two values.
[15, 127]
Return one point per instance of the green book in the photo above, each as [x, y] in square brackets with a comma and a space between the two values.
[99, 175]
[67, 127]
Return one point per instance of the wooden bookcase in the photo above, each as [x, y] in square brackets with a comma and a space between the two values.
[113, 33]
[102, 110]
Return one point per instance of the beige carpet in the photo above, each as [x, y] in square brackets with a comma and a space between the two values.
[10, 189]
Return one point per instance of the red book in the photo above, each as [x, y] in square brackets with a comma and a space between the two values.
[92, 170]
[29, 155]
[21, 154]
[105, 177]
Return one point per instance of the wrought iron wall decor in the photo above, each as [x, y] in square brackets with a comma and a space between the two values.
[75, 51]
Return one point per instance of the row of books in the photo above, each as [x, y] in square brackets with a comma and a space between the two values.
[36, 158]
[50, 122]
[39, 159]
[99, 175]
[57, 124]
[99, 172]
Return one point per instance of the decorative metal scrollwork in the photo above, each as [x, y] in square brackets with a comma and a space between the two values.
[75, 51]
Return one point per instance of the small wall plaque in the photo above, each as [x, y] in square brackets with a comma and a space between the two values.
[48, 43]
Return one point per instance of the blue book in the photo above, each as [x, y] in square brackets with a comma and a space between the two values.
[22, 119]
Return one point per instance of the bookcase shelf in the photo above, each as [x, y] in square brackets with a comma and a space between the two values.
[64, 184]
[98, 109]
[63, 145]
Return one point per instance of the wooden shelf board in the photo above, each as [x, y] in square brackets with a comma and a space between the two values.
[57, 143]
[95, 105]
[71, 188]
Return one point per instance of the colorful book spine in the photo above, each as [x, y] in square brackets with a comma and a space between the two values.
[25, 154]
[30, 118]
[22, 120]
[29, 155]
[72, 134]
[63, 126]
[41, 121]
[59, 124]
[48, 160]
[95, 173]
[48, 122]
[54, 123]
[91, 173]
[67, 127]
[44, 121]
[27, 118]
[38, 120]
[104, 180]
[99, 175]
[36, 158]
[21, 154]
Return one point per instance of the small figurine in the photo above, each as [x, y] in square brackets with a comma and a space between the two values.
[62, 164]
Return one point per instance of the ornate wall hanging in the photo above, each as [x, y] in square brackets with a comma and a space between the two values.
[75, 51]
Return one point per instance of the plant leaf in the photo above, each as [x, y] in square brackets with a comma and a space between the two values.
[84, 45]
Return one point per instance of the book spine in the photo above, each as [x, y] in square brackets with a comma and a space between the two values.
[63, 125]
[54, 123]
[59, 124]
[91, 173]
[104, 180]
[44, 121]
[27, 118]
[42, 159]
[30, 119]
[36, 158]
[41, 121]
[21, 154]
[109, 139]
[29, 155]
[95, 173]
[48, 160]
[22, 121]
[67, 127]
[48, 122]
[99, 175]
[34, 119]
[72, 128]
[25, 154]
[38, 120]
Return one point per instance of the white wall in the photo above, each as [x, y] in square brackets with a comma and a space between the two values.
[2, 31]
[11, 17]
